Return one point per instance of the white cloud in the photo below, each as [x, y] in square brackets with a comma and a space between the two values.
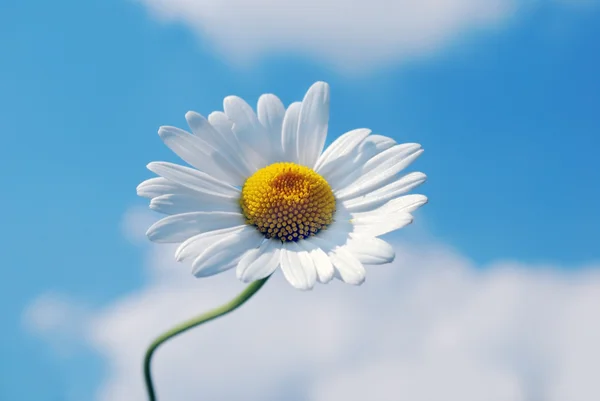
[58, 319]
[135, 223]
[350, 35]
[50, 312]
[429, 327]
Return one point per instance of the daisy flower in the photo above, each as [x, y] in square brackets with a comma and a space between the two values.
[262, 194]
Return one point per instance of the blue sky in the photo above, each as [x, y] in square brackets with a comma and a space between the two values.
[508, 117]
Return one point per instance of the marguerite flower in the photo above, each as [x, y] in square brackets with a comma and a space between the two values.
[262, 193]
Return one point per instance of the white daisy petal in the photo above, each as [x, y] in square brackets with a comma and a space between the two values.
[188, 147]
[373, 200]
[224, 126]
[373, 145]
[402, 204]
[312, 124]
[221, 140]
[351, 170]
[193, 179]
[296, 269]
[219, 256]
[349, 268]
[199, 202]
[381, 170]
[250, 133]
[194, 246]
[289, 133]
[179, 227]
[199, 154]
[338, 231]
[159, 186]
[370, 250]
[307, 263]
[270, 112]
[259, 263]
[341, 151]
[335, 244]
[204, 130]
[323, 265]
[381, 224]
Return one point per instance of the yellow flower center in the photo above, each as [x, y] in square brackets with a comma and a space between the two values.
[287, 201]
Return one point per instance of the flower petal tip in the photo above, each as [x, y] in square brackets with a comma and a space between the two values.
[150, 233]
[320, 84]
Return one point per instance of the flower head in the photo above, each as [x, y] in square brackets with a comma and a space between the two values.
[261, 193]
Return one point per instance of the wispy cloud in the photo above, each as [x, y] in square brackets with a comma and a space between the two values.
[431, 326]
[352, 36]
[62, 321]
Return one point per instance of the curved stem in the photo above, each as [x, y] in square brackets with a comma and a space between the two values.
[205, 317]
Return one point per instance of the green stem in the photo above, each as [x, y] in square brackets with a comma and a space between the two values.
[185, 326]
